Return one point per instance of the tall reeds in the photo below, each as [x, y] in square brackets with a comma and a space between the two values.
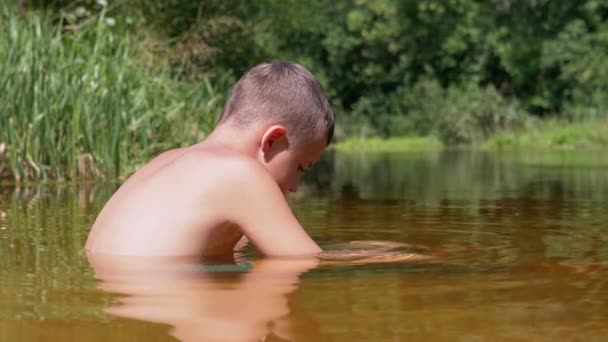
[89, 101]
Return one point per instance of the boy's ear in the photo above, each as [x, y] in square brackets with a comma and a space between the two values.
[273, 134]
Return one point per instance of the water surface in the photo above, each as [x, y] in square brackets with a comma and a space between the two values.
[522, 237]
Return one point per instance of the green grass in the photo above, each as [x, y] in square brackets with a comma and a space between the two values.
[540, 134]
[89, 101]
[553, 135]
[400, 144]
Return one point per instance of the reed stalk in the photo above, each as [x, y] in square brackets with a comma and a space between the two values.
[90, 101]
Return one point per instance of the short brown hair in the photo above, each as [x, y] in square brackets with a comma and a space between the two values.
[286, 93]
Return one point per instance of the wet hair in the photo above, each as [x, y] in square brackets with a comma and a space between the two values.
[284, 93]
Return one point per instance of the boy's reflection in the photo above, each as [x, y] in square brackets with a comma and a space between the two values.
[204, 302]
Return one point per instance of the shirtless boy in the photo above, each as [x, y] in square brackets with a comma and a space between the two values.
[203, 199]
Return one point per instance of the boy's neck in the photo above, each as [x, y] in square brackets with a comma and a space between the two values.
[245, 141]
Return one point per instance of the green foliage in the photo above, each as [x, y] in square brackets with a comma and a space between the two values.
[459, 70]
[471, 114]
[84, 101]
[462, 114]
[546, 55]
[580, 51]
[389, 64]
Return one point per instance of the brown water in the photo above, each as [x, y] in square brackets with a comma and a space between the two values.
[523, 240]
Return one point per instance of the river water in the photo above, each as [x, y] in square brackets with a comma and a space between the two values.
[521, 241]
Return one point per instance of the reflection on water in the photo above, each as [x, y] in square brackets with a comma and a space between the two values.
[522, 241]
[204, 302]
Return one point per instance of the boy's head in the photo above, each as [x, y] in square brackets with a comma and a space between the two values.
[281, 93]
[297, 121]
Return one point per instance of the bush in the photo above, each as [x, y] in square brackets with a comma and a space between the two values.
[471, 114]
[458, 115]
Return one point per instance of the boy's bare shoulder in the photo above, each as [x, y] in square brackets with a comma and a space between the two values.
[223, 164]
[202, 169]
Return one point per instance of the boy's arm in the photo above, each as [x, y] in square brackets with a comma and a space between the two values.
[258, 206]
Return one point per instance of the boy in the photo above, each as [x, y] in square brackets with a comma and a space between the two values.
[203, 199]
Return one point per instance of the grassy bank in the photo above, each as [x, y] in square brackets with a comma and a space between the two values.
[89, 100]
[547, 134]
[400, 144]
[553, 134]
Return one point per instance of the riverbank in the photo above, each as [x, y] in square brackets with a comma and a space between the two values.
[397, 144]
[543, 135]
[553, 134]
[547, 135]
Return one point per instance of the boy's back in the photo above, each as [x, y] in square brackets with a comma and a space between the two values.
[160, 210]
[202, 199]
